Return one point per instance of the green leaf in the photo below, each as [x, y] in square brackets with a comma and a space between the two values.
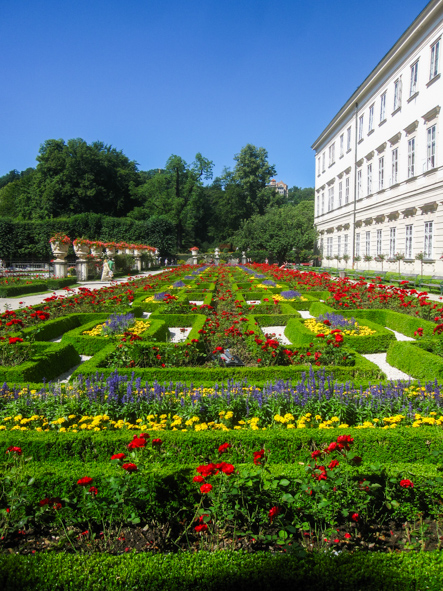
[284, 482]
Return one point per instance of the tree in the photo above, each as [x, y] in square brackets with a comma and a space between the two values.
[280, 231]
[296, 195]
[76, 177]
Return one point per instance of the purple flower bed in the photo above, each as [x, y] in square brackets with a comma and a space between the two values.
[337, 320]
[269, 282]
[289, 294]
[117, 323]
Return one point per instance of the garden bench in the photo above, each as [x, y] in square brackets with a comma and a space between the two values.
[437, 286]
[409, 277]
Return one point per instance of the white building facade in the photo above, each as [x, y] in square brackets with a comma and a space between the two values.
[379, 162]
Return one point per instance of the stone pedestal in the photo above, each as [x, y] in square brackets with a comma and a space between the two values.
[81, 268]
[59, 269]
[243, 258]
[194, 259]
[60, 251]
[138, 263]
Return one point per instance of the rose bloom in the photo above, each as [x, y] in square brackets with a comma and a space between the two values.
[16, 450]
[44, 502]
[156, 442]
[223, 448]
[348, 536]
[93, 491]
[137, 442]
[201, 527]
[258, 455]
[333, 464]
[118, 457]
[226, 468]
[198, 478]
[273, 512]
[355, 517]
[205, 488]
[85, 481]
[129, 467]
[406, 483]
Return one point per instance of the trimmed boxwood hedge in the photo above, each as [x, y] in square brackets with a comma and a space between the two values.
[414, 361]
[50, 360]
[8, 291]
[223, 570]
[402, 323]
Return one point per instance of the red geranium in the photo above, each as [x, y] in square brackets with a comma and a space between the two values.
[205, 488]
[273, 513]
[258, 456]
[201, 527]
[355, 517]
[93, 491]
[198, 478]
[156, 442]
[85, 481]
[16, 450]
[129, 467]
[223, 448]
[405, 483]
[137, 442]
[118, 457]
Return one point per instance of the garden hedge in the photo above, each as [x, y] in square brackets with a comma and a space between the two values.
[223, 571]
[49, 362]
[9, 291]
[414, 361]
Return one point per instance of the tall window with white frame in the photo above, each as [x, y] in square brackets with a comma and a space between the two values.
[348, 139]
[397, 94]
[414, 79]
[427, 250]
[340, 193]
[339, 246]
[408, 242]
[318, 166]
[322, 202]
[342, 144]
[368, 244]
[357, 244]
[392, 237]
[329, 246]
[381, 173]
[369, 179]
[379, 241]
[330, 198]
[360, 127]
[411, 157]
[332, 154]
[359, 175]
[323, 162]
[318, 203]
[383, 107]
[394, 177]
[371, 118]
[430, 148]
[435, 51]
[345, 244]
[347, 185]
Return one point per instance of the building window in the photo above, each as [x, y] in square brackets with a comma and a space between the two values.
[358, 184]
[435, 50]
[339, 246]
[318, 166]
[357, 244]
[342, 144]
[411, 157]
[331, 198]
[368, 243]
[408, 242]
[379, 241]
[322, 202]
[392, 234]
[348, 139]
[383, 107]
[318, 204]
[371, 118]
[332, 154]
[381, 173]
[346, 244]
[329, 247]
[414, 79]
[397, 94]
[394, 178]
[360, 127]
[369, 187]
[323, 167]
[321, 246]
[427, 251]
[430, 159]
[347, 184]
[340, 193]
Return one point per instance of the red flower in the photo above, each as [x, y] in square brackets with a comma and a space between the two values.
[273, 513]
[355, 517]
[85, 481]
[198, 478]
[332, 446]
[205, 488]
[258, 456]
[333, 464]
[13, 340]
[406, 483]
[129, 467]
[223, 448]
[201, 527]
[44, 502]
[207, 470]
[348, 536]
[93, 491]
[16, 450]
[156, 442]
[316, 454]
[226, 468]
[357, 460]
[137, 442]
[118, 457]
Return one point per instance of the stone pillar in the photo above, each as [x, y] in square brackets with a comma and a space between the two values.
[60, 251]
[217, 256]
[243, 258]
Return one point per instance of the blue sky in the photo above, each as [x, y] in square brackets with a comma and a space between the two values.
[161, 77]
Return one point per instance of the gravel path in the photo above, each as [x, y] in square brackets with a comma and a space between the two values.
[278, 332]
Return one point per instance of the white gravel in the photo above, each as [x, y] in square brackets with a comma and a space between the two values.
[65, 377]
[196, 302]
[146, 314]
[399, 336]
[253, 302]
[392, 373]
[278, 332]
[178, 334]
[305, 314]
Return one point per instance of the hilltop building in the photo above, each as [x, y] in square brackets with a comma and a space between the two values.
[279, 186]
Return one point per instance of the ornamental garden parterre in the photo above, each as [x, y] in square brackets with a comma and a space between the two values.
[222, 408]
